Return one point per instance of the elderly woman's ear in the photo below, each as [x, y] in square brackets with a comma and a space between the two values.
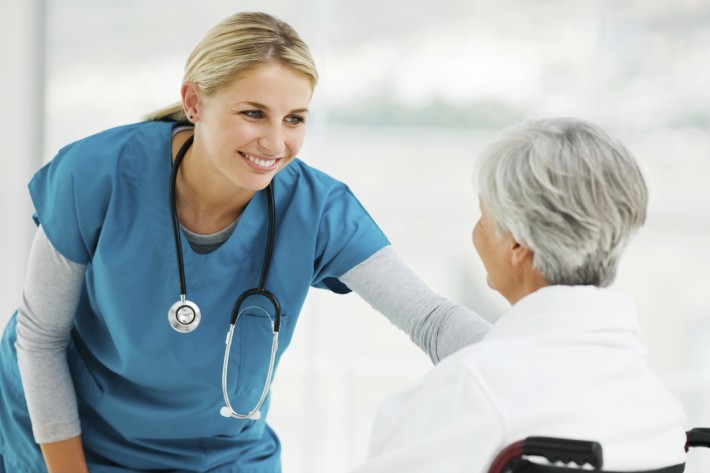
[528, 278]
[520, 254]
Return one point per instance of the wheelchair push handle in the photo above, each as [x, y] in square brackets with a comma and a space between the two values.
[565, 450]
[698, 437]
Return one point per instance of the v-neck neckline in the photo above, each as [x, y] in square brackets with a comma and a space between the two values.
[249, 225]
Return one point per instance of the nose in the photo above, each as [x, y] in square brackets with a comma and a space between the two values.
[272, 141]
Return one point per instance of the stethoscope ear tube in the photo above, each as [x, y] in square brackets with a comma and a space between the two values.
[227, 410]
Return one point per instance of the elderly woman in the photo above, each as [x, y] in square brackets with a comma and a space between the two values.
[559, 199]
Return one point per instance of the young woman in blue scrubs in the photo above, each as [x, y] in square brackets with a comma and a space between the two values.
[96, 374]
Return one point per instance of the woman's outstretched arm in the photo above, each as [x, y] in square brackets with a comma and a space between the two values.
[437, 325]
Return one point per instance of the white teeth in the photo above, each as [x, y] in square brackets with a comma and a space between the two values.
[264, 163]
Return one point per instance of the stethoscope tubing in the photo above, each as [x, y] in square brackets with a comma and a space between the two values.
[173, 212]
[266, 263]
[227, 410]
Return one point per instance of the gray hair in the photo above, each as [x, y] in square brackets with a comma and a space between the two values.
[568, 191]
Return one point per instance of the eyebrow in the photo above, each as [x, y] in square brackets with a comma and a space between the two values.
[265, 107]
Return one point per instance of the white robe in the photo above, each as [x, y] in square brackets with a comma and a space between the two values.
[565, 361]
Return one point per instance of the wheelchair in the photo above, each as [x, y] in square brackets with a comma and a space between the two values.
[513, 458]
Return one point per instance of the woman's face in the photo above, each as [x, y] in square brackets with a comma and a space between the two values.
[252, 128]
[495, 252]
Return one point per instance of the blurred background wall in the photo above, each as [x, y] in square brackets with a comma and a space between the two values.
[410, 93]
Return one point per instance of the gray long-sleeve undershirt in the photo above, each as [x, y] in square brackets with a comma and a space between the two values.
[53, 286]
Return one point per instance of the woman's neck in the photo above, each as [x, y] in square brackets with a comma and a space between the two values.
[205, 203]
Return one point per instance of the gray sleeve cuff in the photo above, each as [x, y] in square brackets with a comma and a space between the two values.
[435, 324]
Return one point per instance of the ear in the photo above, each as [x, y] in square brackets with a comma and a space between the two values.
[190, 99]
[520, 253]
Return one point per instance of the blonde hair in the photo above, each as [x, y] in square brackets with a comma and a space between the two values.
[240, 43]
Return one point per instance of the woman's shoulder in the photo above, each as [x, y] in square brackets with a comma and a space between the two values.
[111, 149]
[114, 141]
[305, 178]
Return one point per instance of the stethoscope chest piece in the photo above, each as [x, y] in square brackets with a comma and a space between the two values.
[184, 316]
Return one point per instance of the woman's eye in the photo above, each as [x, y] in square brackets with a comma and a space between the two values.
[295, 119]
[252, 113]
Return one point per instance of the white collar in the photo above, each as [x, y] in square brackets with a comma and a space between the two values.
[565, 308]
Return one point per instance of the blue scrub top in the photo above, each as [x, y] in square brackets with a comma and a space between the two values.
[149, 397]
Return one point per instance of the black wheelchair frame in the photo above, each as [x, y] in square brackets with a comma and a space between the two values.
[513, 458]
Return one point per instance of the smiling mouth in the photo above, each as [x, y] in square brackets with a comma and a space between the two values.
[265, 164]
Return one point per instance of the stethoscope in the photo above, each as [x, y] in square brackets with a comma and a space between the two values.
[184, 316]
